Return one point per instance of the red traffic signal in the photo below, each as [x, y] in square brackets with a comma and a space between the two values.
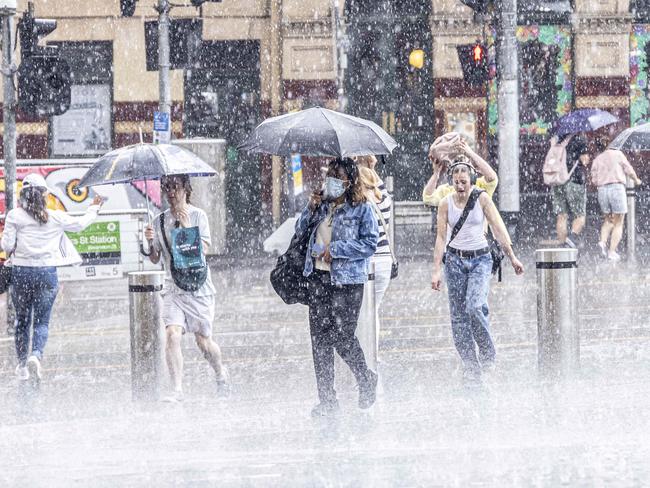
[474, 63]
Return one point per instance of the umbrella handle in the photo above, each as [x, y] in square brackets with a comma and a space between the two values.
[143, 252]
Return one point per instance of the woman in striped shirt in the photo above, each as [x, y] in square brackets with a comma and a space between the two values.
[381, 202]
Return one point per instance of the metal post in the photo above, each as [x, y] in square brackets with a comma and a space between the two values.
[631, 220]
[147, 337]
[278, 175]
[367, 332]
[164, 88]
[558, 337]
[340, 54]
[9, 122]
[508, 107]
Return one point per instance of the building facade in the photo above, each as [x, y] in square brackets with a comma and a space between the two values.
[239, 61]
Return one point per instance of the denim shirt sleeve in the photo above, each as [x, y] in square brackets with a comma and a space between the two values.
[365, 245]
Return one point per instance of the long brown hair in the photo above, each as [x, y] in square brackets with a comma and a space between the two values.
[32, 201]
[355, 193]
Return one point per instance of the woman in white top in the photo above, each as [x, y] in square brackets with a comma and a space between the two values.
[35, 241]
[468, 267]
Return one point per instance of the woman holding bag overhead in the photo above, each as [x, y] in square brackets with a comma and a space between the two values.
[34, 238]
[462, 242]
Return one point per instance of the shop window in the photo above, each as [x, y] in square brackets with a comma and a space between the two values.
[86, 128]
[537, 89]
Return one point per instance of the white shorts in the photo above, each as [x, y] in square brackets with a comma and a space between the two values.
[612, 198]
[193, 314]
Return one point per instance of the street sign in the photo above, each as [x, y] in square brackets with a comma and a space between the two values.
[100, 247]
[161, 131]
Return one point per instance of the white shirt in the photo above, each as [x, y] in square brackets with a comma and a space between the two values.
[43, 244]
[471, 235]
[198, 218]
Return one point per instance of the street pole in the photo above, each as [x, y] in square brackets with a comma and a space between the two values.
[164, 88]
[9, 121]
[340, 54]
[508, 107]
[9, 110]
[278, 174]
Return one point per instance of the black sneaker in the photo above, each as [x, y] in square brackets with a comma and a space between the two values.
[368, 391]
[325, 409]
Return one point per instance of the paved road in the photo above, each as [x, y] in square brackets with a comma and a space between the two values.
[81, 427]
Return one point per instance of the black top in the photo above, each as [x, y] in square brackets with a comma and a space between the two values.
[576, 148]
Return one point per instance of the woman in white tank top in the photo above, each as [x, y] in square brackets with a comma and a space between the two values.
[468, 268]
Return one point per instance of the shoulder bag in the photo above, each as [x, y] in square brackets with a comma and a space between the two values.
[287, 276]
[473, 197]
[394, 269]
[192, 274]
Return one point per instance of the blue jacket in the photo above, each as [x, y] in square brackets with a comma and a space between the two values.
[354, 240]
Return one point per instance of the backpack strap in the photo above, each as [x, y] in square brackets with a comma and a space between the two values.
[473, 197]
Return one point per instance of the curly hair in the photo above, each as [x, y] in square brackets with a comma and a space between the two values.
[32, 201]
[355, 193]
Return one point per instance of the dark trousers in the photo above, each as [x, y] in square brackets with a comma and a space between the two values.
[333, 316]
[33, 291]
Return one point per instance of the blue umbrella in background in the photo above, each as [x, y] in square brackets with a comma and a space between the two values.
[583, 120]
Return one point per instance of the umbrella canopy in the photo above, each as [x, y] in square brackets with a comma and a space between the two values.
[318, 132]
[144, 162]
[633, 139]
[583, 120]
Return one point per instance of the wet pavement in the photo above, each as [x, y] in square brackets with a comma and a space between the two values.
[80, 428]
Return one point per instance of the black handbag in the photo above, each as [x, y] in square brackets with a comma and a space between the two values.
[5, 277]
[286, 277]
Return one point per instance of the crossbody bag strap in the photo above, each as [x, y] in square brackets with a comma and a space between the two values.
[468, 208]
[385, 226]
[164, 236]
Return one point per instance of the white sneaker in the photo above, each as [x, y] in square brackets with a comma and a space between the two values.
[22, 373]
[224, 388]
[613, 256]
[603, 249]
[175, 396]
[34, 367]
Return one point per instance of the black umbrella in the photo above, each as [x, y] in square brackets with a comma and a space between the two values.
[318, 132]
[633, 139]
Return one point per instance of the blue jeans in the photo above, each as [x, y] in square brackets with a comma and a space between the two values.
[33, 290]
[468, 284]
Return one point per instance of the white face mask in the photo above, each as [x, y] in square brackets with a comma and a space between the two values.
[333, 188]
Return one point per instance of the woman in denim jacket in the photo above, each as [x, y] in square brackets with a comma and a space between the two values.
[343, 237]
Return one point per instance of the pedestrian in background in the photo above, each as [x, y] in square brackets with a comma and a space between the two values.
[453, 146]
[570, 199]
[608, 174]
[343, 238]
[35, 242]
[187, 309]
[384, 256]
[468, 268]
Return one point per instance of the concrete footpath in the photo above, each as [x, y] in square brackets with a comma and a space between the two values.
[82, 429]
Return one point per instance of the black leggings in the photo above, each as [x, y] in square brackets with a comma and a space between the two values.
[333, 316]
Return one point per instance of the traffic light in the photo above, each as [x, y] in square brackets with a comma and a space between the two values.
[127, 7]
[43, 78]
[416, 58]
[473, 61]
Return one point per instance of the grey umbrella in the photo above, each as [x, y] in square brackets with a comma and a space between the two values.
[144, 162]
[318, 132]
[633, 139]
